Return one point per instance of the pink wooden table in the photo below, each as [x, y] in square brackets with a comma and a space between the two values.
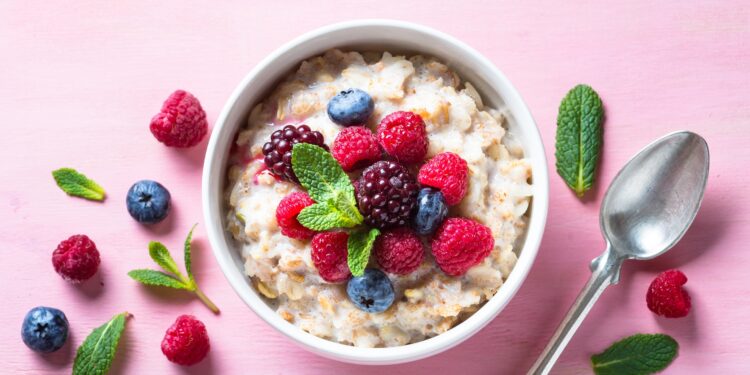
[79, 83]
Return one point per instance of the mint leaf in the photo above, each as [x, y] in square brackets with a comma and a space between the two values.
[77, 185]
[328, 185]
[331, 214]
[173, 278]
[161, 256]
[359, 245]
[578, 141]
[319, 173]
[188, 259]
[94, 356]
[639, 354]
[320, 217]
[156, 278]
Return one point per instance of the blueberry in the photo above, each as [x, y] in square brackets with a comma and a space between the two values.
[431, 210]
[350, 107]
[45, 329]
[372, 292]
[148, 202]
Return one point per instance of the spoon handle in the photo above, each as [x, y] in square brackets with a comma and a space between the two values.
[605, 271]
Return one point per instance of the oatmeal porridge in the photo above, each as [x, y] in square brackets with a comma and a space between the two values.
[427, 301]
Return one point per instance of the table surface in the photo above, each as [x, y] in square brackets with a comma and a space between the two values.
[80, 81]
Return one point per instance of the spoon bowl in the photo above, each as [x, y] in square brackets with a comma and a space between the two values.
[653, 200]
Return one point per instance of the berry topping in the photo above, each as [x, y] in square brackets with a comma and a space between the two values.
[278, 152]
[372, 292]
[148, 202]
[431, 211]
[447, 172]
[355, 147]
[386, 194]
[181, 121]
[399, 251]
[350, 107]
[286, 215]
[186, 341]
[403, 136]
[666, 297]
[460, 244]
[44, 329]
[329, 252]
[76, 259]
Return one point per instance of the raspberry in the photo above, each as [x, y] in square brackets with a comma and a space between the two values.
[403, 136]
[278, 151]
[181, 121]
[447, 172]
[386, 194]
[355, 147]
[76, 259]
[329, 256]
[666, 297]
[186, 341]
[286, 215]
[399, 251]
[460, 244]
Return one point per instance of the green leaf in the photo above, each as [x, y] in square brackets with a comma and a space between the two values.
[94, 356]
[319, 173]
[77, 185]
[639, 354]
[329, 215]
[156, 278]
[328, 185]
[359, 245]
[188, 259]
[161, 256]
[578, 141]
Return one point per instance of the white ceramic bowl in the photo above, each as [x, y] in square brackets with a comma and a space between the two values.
[383, 35]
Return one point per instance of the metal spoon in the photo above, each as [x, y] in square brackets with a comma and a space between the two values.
[648, 207]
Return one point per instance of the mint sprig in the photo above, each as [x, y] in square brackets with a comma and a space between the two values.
[359, 246]
[95, 355]
[328, 185]
[172, 277]
[578, 141]
[640, 354]
[76, 184]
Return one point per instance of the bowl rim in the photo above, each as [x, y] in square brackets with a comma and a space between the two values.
[216, 233]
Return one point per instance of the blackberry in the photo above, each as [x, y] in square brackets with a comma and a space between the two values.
[386, 194]
[278, 152]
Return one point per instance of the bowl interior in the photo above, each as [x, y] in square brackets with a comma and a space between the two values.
[397, 38]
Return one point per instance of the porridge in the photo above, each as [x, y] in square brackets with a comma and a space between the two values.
[429, 292]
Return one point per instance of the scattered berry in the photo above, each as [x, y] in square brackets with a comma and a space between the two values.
[44, 329]
[431, 211]
[286, 215]
[460, 244]
[355, 147]
[76, 259]
[278, 151]
[386, 194]
[186, 341]
[350, 107]
[403, 136]
[399, 251]
[372, 292]
[181, 121]
[666, 297]
[329, 252]
[447, 172]
[148, 202]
